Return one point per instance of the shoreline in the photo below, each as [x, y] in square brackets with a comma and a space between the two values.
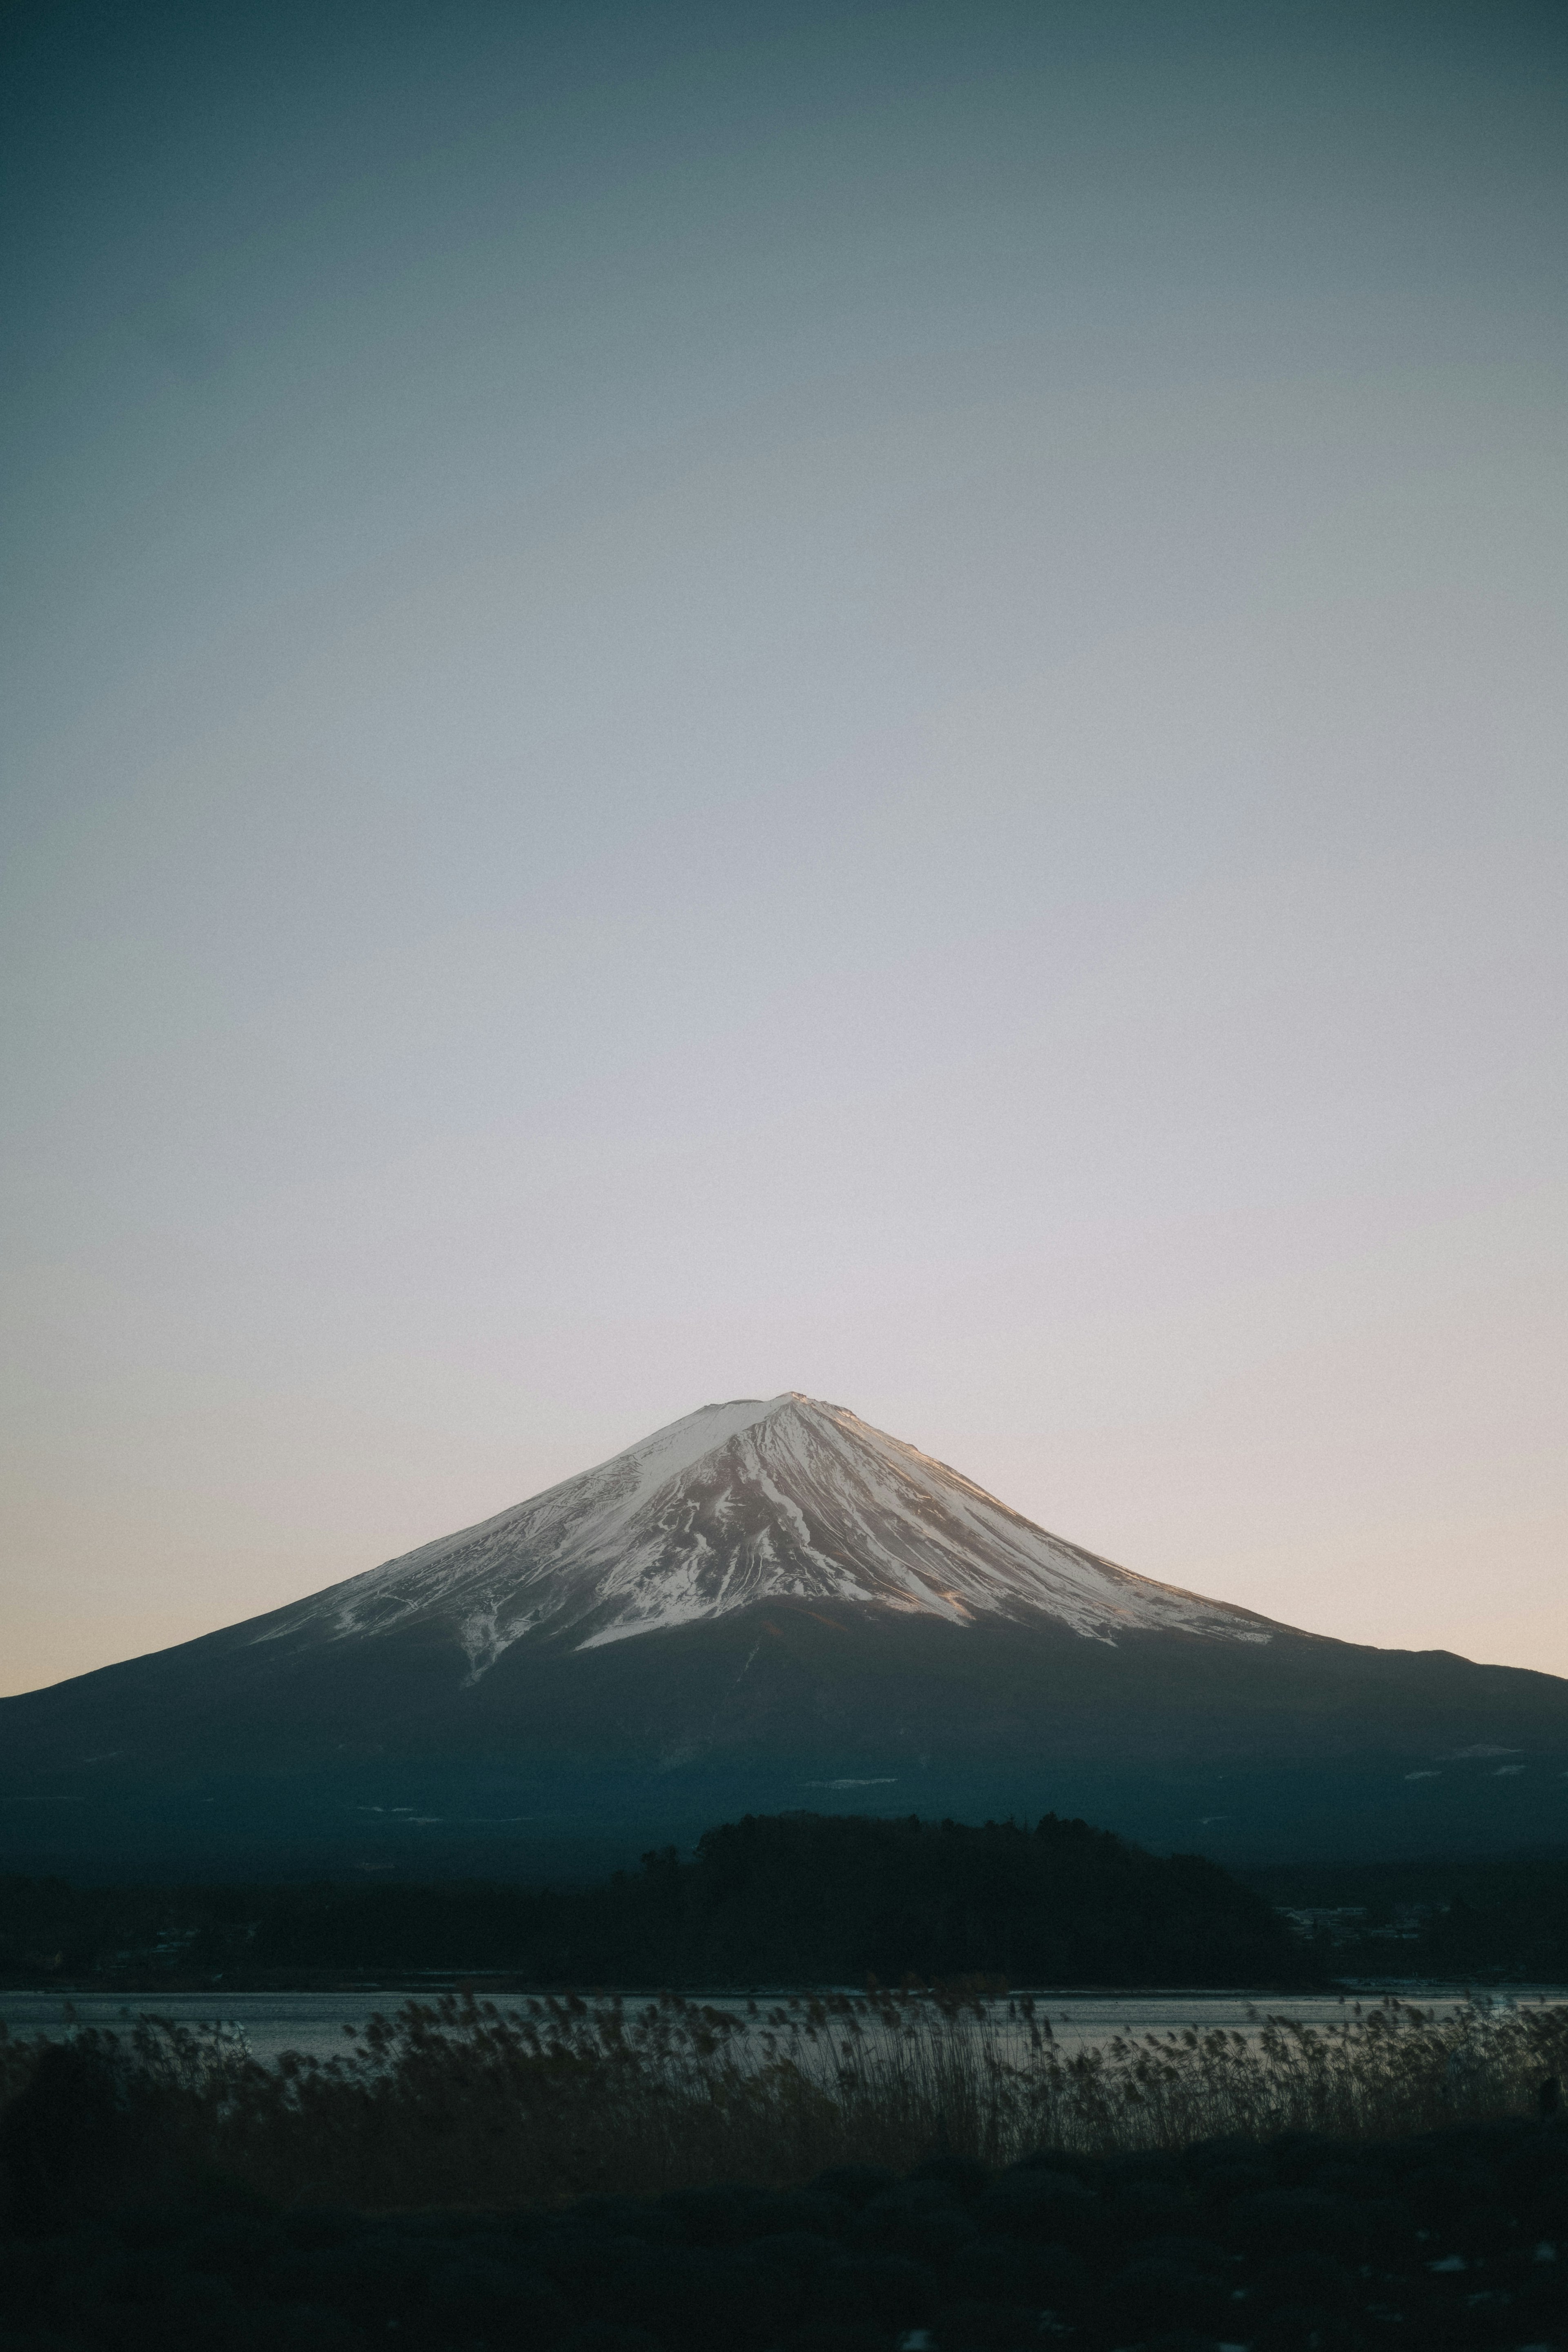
[412, 1983]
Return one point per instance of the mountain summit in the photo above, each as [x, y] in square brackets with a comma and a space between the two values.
[781, 1499]
[768, 1606]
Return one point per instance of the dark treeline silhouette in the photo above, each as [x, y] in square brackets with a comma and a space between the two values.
[1502, 1920]
[795, 1898]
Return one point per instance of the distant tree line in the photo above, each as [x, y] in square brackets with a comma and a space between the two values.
[1499, 1921]
[788, 1899]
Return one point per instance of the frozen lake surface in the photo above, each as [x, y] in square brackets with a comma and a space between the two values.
[322, 2022]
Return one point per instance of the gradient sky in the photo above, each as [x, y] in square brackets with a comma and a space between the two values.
[708, 699]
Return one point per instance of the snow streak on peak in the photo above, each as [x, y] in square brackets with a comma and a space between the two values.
[783, 1498]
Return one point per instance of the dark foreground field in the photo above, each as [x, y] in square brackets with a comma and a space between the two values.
[1457, 2239]
[839, 2177]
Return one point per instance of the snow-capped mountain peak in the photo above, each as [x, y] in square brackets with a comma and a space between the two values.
[786, 1499]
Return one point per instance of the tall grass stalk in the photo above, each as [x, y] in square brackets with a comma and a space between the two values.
[460, 2102]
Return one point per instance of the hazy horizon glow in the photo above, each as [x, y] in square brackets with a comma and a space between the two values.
[706, 700]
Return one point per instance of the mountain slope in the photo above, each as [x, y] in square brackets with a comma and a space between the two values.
[739, 1502]
[765, 1605]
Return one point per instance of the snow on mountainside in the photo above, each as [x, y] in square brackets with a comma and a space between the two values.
[787, 1498]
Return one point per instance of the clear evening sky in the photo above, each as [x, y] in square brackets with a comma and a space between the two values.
[708, 699]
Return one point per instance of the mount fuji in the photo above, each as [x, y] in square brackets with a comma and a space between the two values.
[789, 1499]
[766, 1605]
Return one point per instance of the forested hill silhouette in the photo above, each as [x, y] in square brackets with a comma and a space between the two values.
[815, 1899]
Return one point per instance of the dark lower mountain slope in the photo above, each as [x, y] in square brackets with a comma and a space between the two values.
[801, 1614]
[566, 1761]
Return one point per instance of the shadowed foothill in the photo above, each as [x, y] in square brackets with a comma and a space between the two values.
[799, 1899]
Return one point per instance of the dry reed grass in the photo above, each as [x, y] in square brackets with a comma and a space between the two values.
[461, 2103]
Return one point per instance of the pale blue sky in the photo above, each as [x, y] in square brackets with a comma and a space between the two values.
[865, 700]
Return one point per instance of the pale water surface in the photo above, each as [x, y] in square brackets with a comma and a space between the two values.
[322, 2022]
